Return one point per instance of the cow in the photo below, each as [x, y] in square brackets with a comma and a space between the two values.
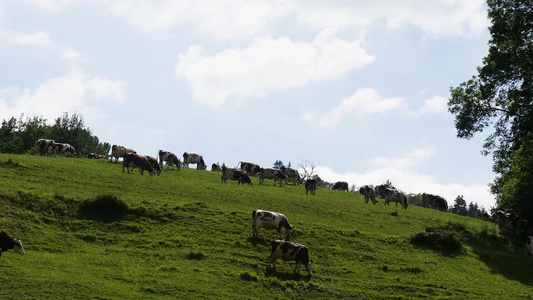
[340, 186]
[289, 251]
[310, 185]
[120, 151]
[234, 174]
[369, 193]
[95, 156]
[43, 145]
[270, 173]
[529, 245]
[504, 220]
[155, 165]
[271, 220]
[62, 148]
[292, 175]
[216, 167]
[434, 201]
[193, 158]
[250, 168]
[132, 160]
[380, 190]
[7, 243]
[170, 158]
[394, 195]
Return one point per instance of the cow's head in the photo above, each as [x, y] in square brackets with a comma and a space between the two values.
[309, 267]
[18, 247]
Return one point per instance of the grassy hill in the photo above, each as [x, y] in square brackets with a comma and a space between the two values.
[92, 232]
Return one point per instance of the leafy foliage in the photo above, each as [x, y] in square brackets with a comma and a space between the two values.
[501, 95]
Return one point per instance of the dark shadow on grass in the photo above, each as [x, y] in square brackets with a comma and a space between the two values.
[255, 241]
[270, 272]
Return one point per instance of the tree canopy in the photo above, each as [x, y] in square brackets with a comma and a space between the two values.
[501, 96]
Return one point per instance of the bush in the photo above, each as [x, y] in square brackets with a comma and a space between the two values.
[105, 208]
[445, 241]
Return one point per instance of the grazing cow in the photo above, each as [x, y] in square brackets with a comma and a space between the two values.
[7, 243]
[529, 245]
[44, 145]
[270, 173]
[193, 158]
[271, 220]
[216, 167]
[394, 195]
[120, 151]
[504, 220]
[369, 193]
[380, 190]
[289, 251]
[292, 175]
[434, 201]
[250, 168]
[62, 148]
[310, 185]
[340, 186]
[155, 165]
[132, 160]
[234, 174]
[170, 158]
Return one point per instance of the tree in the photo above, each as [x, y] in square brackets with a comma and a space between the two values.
[501, 95]
[459, 206]
[278, 164]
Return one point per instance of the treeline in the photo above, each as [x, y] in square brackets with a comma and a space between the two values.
[459, 206]
[18, 136]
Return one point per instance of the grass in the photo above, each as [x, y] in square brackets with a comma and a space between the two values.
[93, 232]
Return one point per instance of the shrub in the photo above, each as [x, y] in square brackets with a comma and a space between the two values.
[445, 241]
[105, 208]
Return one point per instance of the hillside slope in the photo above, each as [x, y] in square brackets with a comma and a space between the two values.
[93, 232]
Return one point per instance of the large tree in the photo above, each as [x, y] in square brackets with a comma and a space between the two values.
[501, 96]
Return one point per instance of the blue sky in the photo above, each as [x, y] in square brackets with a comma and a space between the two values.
[358, 88]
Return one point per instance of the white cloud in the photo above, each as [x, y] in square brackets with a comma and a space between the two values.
[401, 171]
[73, 92]
[268, 64]
[434, 105]
[53, 6]
[38, 38]
[363, 102]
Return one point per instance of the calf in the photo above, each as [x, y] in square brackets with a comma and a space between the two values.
[216, 167]
[394, 195]
[7, 243]
[142, 162]
[271, 220]
[288, 251]
[193, 158]
[310, 185]
[62, 148]
[369, 193]
[170, 158]
[292, 175]
[269, 173]
[43, 145]
[340, 186]
[250, 168]
[120, 151]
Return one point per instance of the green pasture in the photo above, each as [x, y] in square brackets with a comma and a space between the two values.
[93, 232]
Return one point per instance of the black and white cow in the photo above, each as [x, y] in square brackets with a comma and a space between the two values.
[270, 173]
[434, 201]
[43, 145]
[340, 186]
[369, 193]
[132, 160]
[310, 185]
[170, 158]
[292, 175]
[95, 156]
[155, 165]
[120, 151]
[289, 251]
[216, 167]
[234, 174]
[250, 168]
[271, 220]
[529, 245]
[193, 158]
[8, 243]
[394, 195]
[62, 148]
